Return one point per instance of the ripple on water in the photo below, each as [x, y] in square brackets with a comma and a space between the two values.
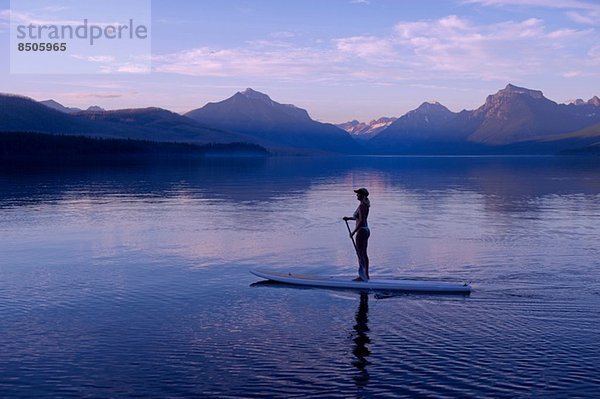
[136, 283]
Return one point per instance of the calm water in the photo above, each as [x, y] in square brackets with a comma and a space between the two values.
[133, 280]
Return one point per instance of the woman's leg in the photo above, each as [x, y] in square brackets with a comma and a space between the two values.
[362, 241]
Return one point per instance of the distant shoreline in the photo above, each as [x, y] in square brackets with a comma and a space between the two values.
[28, 147]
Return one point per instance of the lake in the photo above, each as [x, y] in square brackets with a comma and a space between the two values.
[133, 280]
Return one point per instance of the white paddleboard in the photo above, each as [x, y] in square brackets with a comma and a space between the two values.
[372, 284]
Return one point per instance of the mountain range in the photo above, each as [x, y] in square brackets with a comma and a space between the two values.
[513, 120]
[257, 115]
[68, 110]
[364, 131]
[248, 117]
[22, 114]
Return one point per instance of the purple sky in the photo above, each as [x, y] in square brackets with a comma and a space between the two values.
[339, 59]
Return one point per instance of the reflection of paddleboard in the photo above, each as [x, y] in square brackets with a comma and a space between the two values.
[372, 284]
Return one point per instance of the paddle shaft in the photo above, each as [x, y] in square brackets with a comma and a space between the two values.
[352, 238]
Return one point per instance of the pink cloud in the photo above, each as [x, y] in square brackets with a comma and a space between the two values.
[457, 47]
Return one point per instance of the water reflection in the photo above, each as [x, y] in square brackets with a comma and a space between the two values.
[508, 185]
[426, 211]
[360, 338]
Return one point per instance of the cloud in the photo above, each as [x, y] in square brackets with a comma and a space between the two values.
[365, 2]
[110, 64]
[54, 8]
[582, 19]
[568, 33]
[84, 95]
[255, 60]
[133, 68]
[4, 20]
[283, 35]
[594, 56]
[28, 18]
[174, 21]
[102, 58]
[590, 16]
[429, 86]
[559, 4]
[127, 67]
[452, 47]
[503, 50]
[365, 46]
[268, 43]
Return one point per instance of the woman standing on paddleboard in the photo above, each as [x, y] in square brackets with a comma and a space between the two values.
[362, 233]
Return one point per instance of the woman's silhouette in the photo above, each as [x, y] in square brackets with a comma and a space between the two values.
[362, 233]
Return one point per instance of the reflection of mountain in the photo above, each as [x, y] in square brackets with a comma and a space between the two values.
[513, 184]
[592, 149]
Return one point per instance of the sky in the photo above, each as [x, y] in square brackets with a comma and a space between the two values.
[339, 59]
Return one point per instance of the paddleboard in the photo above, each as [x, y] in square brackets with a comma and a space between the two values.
[372, 284]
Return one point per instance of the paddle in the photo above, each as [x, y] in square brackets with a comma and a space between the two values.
[352, 238]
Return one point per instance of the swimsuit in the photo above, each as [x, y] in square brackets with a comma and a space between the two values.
[366, 226]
